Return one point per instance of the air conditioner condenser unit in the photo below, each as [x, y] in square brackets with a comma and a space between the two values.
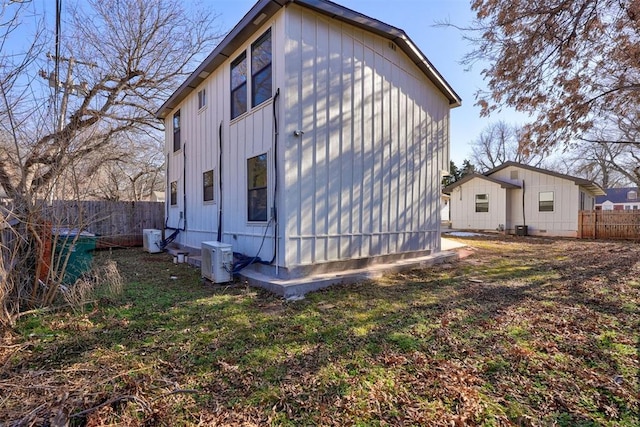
[151, 239]
[217, 261]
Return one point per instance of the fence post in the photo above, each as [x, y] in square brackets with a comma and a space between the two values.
[580, 220]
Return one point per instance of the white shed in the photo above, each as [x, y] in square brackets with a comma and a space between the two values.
[312, 136]
[513, 196]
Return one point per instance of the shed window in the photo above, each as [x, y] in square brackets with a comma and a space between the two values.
[176, 131]
[545, 201]
[514, 174]
[257, 188]
[207, 186]
[202, 99]
[482, 203]
[632, 195]
[239, 86]
[261, 69]
[174, 193]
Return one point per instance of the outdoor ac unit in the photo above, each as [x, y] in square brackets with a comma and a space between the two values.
[217, 261]
[151, 239]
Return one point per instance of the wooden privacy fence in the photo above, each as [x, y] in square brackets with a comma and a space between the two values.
[116, 223]
[609, 225]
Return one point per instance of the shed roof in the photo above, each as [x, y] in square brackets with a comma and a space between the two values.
[250, 23]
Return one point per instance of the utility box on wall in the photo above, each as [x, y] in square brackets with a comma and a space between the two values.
[522, 230]
[217, 261]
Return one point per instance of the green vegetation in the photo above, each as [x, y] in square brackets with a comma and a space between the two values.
[522, 332]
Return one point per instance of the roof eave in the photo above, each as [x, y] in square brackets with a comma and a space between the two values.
[247, 26]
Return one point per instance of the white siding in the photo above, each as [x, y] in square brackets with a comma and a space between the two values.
[463, 206]
[563, 221]
[364, 177]
[244, 137]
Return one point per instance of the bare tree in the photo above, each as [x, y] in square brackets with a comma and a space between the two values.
[498, 143]
[568, 62]
[130, 58]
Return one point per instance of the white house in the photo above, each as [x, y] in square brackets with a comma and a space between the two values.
[516, 198]
[619, 199]
[314, 137]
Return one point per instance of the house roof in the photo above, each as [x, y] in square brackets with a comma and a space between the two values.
[469, 177]
[618, 195]
[250, 23]
[589, 185]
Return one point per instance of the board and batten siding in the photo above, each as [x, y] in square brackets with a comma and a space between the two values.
[563, 221]
[463, 206]
[200, 150]
[363, 179]
[246, 136]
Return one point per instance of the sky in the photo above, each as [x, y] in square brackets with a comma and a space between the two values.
[444, 46]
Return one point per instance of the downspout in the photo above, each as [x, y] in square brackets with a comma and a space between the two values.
[220, 182]
[184, 187]
[168, 193]
[274, 212]
[524, 220]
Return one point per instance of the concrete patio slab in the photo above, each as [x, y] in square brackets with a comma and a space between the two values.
[296, 288]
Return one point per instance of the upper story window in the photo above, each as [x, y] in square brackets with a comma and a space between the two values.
[176, 131]
[482, 203]
[202, 99]
[259, 73]
[239, 85]
[632, 195]
[545, 201]
[261, 80]
[514, 174]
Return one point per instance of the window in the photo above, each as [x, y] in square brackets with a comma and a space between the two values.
[261, 69]
[174, 193]
[176, 131]
[482, 203]
[514, 174]
[239, 86]
[545, 201]
[257, 188]
[627, 207]
[207, 186]
[632, 195]
[202, 99]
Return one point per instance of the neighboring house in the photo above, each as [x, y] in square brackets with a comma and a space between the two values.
[313, 126]
[512, 196]
[619, 199]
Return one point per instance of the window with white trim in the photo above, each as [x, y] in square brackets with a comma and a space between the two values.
[239, 85]
[257, 188]
[482, 203]
[545, 201]
[207, 186]
[173, 199]
[176, 131]
[202, 99]
[261, 81]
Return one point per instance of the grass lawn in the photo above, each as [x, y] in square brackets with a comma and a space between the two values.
[524, 331]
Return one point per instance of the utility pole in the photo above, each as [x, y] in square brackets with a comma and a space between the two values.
[68, 88]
